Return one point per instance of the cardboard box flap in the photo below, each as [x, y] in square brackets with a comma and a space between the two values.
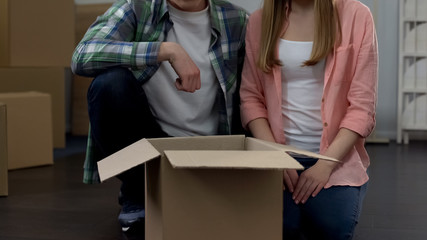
[293, 151]
[127, 158]
[232, 159]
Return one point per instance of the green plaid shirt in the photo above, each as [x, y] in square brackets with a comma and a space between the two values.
[129, 35]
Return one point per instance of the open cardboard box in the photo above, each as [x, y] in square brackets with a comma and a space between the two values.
[212, 187]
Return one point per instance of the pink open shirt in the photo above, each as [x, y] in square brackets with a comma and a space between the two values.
[349, 93]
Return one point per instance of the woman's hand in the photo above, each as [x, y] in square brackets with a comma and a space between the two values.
[290, 179]
[312, 180]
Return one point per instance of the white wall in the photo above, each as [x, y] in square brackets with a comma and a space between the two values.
[386, 13]
[249, 5]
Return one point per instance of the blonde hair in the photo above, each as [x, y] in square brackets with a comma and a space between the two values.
[327, 31]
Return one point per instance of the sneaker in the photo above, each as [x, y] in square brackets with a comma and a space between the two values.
[131, 213]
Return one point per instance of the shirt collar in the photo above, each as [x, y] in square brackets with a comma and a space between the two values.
[163, 9]
[213, 14]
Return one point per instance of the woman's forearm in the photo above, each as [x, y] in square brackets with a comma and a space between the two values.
[342, 144]
[260, 128]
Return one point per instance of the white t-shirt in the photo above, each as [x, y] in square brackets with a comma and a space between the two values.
[181, 113]
[302, 90]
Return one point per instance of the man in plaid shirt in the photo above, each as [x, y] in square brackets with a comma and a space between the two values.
[162, 68]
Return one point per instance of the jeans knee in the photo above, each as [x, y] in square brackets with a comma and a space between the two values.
[292, 232]
[111, 83]
[335, 230]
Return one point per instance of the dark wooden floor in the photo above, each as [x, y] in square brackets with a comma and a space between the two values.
[52, 202]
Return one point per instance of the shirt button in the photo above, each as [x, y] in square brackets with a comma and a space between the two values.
[325, 124]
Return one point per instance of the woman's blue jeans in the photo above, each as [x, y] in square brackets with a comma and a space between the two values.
[331, 215]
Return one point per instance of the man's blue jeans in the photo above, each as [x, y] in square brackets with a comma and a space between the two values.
[331, 215]
[120, 115]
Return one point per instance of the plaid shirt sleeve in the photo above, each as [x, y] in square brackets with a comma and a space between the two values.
[110, 42]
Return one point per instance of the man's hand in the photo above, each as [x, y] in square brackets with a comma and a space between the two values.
[312, 180]
[188, 73]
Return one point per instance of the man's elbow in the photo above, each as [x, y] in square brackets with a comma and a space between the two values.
[77, 65]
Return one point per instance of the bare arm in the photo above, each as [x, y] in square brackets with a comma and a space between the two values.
[342, 144]
[261, 129]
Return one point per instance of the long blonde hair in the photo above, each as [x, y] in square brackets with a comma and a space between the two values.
[327, 31]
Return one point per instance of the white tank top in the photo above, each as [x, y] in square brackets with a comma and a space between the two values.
[182, 113]
[302, 90]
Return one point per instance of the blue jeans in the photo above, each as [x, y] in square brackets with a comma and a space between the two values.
[120, 115]
[331, 215]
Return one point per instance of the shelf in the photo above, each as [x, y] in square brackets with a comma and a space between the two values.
[413, 19]
[415, 128]
[415, 54]
[414, 90]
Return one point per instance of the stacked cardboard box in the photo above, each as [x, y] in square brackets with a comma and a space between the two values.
[36, 44]
[29, 129]
[3, 151]
[36, 33]
[47, 80]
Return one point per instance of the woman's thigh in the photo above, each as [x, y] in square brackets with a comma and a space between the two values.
[333, 213]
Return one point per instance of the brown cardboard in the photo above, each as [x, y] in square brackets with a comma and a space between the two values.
[113, 165]
[29, 129]
[48, 80]
[36, 33]
[3, 152]
[229, 159]
[4, 35]
[216, 187]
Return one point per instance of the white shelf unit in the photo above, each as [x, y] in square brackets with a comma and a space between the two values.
[412, 87]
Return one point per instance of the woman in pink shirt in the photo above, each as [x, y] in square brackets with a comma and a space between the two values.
[310, 80]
